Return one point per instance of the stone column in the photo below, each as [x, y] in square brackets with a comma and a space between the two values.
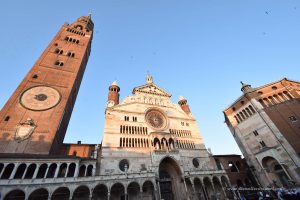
[46, 170]
[14, 171]
[25, 171]
[141, 192]
[158, 187]
[205, 192]
[57, 170]
[108, 195]
[3, 169]
[86, 167]
[76, 170]
[186, 191]
[94, 170]
[194, 190]
[125, 191]
[67, 170]
[285, 171]
[36, 171]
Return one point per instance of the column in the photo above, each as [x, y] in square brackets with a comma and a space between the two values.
[186, 191]
[36, 171]
[76, 170]
[194, 190]
[25, 171]
[141, 192]
[46, 170]
[108, 195]
[3, 169]
[158, 186]
[14, 171]
[204, 191]
[285, 171]
[57, 170]
[94, 170]
[85, 170]
[67, 170]
[126, 197]
[224, 192]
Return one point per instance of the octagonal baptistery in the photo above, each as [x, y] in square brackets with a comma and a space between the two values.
[149, 139]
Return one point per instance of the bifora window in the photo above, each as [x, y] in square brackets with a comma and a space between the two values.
[124, 165]
[195, 162]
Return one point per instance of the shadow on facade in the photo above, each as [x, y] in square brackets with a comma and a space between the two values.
[170, 182]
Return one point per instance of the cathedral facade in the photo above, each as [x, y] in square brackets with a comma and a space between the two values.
[151, 147]
[264, 121]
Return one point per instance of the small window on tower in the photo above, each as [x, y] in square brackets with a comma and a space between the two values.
[7, 118]
[263, 144]
[187, 124]
[182, 123]
[35, 76]
[293, 118]
[255, 133]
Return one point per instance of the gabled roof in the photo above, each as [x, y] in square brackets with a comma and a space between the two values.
[151, 88]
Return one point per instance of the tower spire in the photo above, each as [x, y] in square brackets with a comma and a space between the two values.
[246, 87]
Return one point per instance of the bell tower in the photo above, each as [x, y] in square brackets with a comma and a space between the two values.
[183, 104]
[113, 94]
[35, 118]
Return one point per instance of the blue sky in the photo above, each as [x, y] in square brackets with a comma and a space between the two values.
[198, 49]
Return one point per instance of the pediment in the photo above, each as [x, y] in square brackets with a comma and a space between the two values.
[151, 88]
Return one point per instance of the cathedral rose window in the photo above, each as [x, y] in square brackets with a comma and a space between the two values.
[156, 119]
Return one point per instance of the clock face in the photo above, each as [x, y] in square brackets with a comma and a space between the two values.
[156, 119]
[40, 98]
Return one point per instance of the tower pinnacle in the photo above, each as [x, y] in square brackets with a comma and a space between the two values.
[149, 79]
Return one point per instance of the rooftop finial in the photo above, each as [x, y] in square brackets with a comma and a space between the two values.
[90, 14]
[242, 83]
[149, 78]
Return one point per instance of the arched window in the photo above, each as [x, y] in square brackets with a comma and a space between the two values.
[232, 167]
[59, 63]
[62, 170]
[20, 171]
[82, 171]
[42, 171]
[242, 115]
[248, 111]
[89, 171]
[35, 76]
[262, 103]
[71, 170]
[7, 171]
[30, 171]
[252, 109]
[7, 118]
[51, 170]
[288, 95]
[246, 114]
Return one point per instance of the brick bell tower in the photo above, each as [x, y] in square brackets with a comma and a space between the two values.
[113, 94]
[183, 104]
[35, 118]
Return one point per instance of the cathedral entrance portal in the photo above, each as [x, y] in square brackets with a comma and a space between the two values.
[170, 180]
